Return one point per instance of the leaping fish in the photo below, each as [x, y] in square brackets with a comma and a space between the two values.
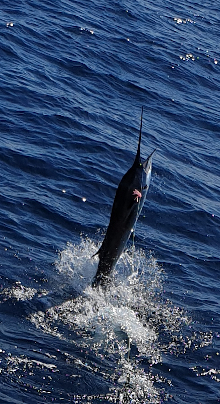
[128, 202]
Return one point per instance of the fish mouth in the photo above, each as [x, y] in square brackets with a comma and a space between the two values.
[148, 161]
[152, 153]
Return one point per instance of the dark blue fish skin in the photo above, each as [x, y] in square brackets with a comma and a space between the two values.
[125, 212]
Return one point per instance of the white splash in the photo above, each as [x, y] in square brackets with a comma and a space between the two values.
[120, 326]
[19, 292]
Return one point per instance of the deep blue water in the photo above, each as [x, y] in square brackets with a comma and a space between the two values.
[73, 78]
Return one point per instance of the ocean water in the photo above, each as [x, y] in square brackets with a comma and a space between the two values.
[73, 78]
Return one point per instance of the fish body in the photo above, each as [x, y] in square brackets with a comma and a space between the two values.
[129, 200]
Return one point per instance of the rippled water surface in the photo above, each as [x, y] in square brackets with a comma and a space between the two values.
[73, 77]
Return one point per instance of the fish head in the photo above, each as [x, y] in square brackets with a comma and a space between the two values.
[147, 168]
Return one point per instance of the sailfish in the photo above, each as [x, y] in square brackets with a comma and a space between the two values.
[129, 200]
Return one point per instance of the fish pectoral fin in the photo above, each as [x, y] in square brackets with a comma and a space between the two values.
[97, 253]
